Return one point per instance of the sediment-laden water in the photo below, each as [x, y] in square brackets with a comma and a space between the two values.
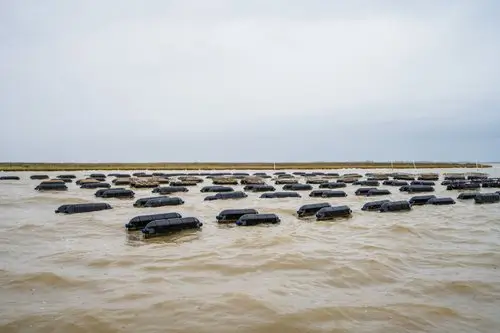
[434, 269]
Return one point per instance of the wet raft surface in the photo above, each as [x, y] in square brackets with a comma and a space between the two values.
[433, 269]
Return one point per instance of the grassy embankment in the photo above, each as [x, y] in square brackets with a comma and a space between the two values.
[231, 166]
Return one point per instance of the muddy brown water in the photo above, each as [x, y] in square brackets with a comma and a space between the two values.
[434, 269]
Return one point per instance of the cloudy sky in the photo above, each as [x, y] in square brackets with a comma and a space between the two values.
[261, 80]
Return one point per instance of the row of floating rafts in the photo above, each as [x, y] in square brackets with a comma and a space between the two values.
[382, 205]
[166, 223]
[414, 186]
[258, 178]
[226, 193]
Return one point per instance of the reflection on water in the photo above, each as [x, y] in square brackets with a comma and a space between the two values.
[433, 269]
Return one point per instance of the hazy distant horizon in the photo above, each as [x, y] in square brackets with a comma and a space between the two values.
[229, 80]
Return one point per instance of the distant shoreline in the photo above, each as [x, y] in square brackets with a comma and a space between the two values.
[233, 166]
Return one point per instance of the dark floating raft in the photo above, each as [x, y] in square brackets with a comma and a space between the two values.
[367, 183]
[463, 186]
[423, 182]
[66, 176]
[297, 187]
[332, 185]
[330, 213]
[467, 195]
[163, 201]
[51, 186]
[364, 190]
[39, 177]
[82, 208]
[141, 221]
[286, 181]
[142, 201]
[167, 226]
[416, 188]
[420, 200]
[260, 188]
[216, 188]
[395, 183]
[395, 206]
[377, 192]
[484, 198]
[95, 185]
[311, 209]
[440, 201]
[232, 215]
[115, 193]
[10, 178]
[170, 189]
[255, 219]
[327, 194]
[227, 196]
[279, 195]
[374, 205]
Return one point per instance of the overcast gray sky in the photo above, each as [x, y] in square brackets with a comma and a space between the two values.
[261, 80]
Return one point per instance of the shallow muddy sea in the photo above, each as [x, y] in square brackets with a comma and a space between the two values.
[433, 269]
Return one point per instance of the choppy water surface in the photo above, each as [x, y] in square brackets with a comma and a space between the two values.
[433, 269]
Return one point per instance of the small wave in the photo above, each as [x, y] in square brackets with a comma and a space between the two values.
[398, 228]
[469, 288]
[43, 279]
[101, 263]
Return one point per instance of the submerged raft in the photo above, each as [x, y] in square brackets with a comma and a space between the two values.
[83, 208]
[275, 195]
[363, 191]
[163, 201]
[232, 215]
[255, 219]
[66, 176]
[440, 201]
[484, 198]
[395, 183]
[327, 194]
[51, 186]
[260, 188]
[420, 200]
[395, 206]
[332, 185]
[141, 221]
[316, 181]
[167, 226]
[95, 185]
[297, 187]
[377, 192]
[10, 178]
[116, 193]
[374, 205]
[216, 188]
[333, 212]
[367, 183]
[170, 189]
[142, 201]
[39, 177]
[285, 181]
[311, 209]
[417, 189]
[227, 196]
[463, 186]
[467, 195]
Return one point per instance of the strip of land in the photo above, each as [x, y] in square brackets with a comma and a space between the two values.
[233, 166]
